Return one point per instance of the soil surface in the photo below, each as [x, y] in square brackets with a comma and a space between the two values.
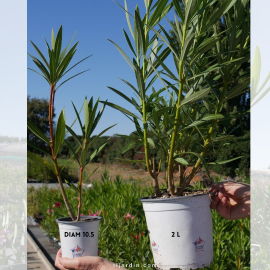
[187, 192]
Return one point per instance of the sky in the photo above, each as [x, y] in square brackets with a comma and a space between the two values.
[94, 22]
[260, 124]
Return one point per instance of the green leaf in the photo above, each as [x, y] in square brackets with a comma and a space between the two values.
[158, 14]
[88, 176]
[123, 54]
[129, 146]
[223, 138]
[73, 135]
[187, 44]
[129, 43]
[37, 147]
[99, 135]
[37, 132]
[151, 142]
[195, 97]
[120, 109]
[181, 161]
[39, 74]
[138, 128]
[140, 80]
[71, 185]
[40, 54]
[98, 150]
[58, 45]
[165, 41]
[121, 94]
[224, 162]
[39, 160]
[60, 132]
[63, 54]
[202, 160]
[128, 21]
[83, 158]
[86, 115]
[78, 117]
[41, 67]
[131, 86]
[178, 10]
[205, 119]
[72, 78]
[75, 153]
[159, 76]
[53, 40]
[75, 65]
[239, 89]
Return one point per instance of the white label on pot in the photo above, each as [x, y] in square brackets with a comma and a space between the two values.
[77, 252]
[199, 244]
[78, 234]
[155, 247]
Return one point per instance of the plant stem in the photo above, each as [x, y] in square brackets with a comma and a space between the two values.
[176, 121]
[175, 130]
[206, 143]
[146, 150]
[152, 172]
[80, 194]
[51, 105]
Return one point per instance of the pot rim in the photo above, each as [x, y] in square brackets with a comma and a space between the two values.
[67, 220]
[146, 199]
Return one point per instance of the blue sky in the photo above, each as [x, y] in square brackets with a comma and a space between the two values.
[95, 22]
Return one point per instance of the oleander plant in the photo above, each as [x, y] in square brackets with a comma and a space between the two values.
[53, 70]
[189, 119]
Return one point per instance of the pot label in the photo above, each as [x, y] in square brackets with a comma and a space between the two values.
[199, 244]
[78, 234]
[154, 247]
[77, 252]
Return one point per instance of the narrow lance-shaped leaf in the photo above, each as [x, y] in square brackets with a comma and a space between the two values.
[99, 135]
[86, 115]
[120, 109]
[224, 161]
[123, 54]
[59, 133]
[71, 185]
[78, 117]
[97, 151]
[29, 143]
[195, 97]
[88, 176]
[203, 162]
[39, 160]
[37, 132]
[74, 135]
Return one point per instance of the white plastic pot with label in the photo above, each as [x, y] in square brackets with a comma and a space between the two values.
[79, 238]
[180, 230]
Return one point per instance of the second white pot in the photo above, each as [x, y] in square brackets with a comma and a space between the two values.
[79, 238]
[181, 234]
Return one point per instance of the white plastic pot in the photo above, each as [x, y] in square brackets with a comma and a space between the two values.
[79, 238]
[181, 233]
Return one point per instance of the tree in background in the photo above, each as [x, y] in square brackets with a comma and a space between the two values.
[37, 113]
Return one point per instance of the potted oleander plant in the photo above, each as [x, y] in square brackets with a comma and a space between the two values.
[79, 234]
[179, 126]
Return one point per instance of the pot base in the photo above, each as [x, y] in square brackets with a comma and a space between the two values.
[182, 267]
